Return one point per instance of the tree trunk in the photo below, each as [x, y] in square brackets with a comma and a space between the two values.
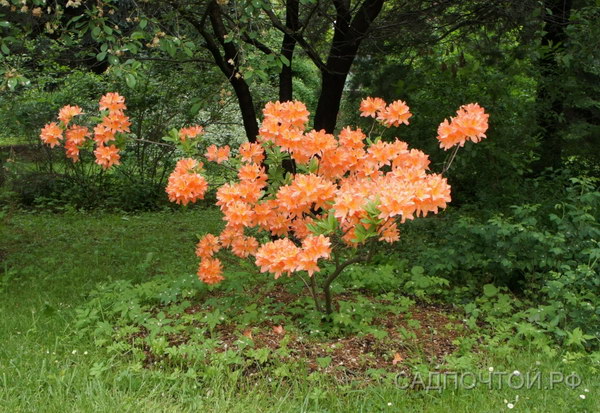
[348, 34]
[246, 104]
[287, 50]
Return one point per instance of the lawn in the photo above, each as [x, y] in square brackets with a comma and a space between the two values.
[51, 266]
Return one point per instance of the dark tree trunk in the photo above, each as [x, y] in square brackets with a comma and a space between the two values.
[229, 66]
[348, 34]
[549, 96]
[332, 87]
[242, 91]
[287, 50]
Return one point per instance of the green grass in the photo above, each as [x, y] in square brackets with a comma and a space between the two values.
[13, 140]
[49, 264]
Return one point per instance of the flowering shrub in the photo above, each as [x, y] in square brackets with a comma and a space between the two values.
[113, 124]
[336, 200]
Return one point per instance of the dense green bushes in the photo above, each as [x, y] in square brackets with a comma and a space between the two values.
[546, 255]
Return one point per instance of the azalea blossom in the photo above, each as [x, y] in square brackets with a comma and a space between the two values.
[107, 156]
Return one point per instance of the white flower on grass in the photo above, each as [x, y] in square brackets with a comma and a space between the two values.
[490, 369]
[389, 403]
[74, 352]
[516, 373]
[582, 396]
[510, 405]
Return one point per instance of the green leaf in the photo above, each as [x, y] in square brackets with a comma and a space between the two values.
[417, 270]
[96, 31]
[284, 60]
[195, 108]
[5, 49]
[131, 80]
[489, 290]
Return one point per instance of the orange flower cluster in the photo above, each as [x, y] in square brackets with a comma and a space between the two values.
[394, 114]
[218, 155]
[68, 112]
[283, 256]
[185, 184]
[76, 136]
[51, 134]
[367, 188]
[190, 132]
[471, 123]
[107, 156]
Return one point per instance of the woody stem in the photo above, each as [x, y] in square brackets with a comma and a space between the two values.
[327, 284]
[449, 163]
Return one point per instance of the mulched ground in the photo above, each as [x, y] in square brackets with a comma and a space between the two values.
[351, 356]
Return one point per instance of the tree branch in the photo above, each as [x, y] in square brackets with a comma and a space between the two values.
[310, 51]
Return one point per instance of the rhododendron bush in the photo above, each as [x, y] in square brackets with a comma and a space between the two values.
[301, 197]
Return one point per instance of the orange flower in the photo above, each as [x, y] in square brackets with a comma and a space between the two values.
[116, 122]
[107, 156]
[218, 155]
[244, 246]
[51, 134]
[352, 139]
[72, 150]
[113, 102]
[316, 142]
[263, 213]
[210, 271]
[395, 114]
[77, 134]
[187, 165]
[381, 153]
[252, 172]
[239, 213]
[299, 226]
[252, 152]
[303, 192]
[347, 204]
[389, 233]
[229, 235]
[317, 246]
[279, 224]
[277, 257]
[370, 106]
[185, 184]
[66, 113]
[227, 194]
[103, 135]
[207, 246]
[471, 123]
[190, 132]
[293, 113]
[284, 124]
[397, 203]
